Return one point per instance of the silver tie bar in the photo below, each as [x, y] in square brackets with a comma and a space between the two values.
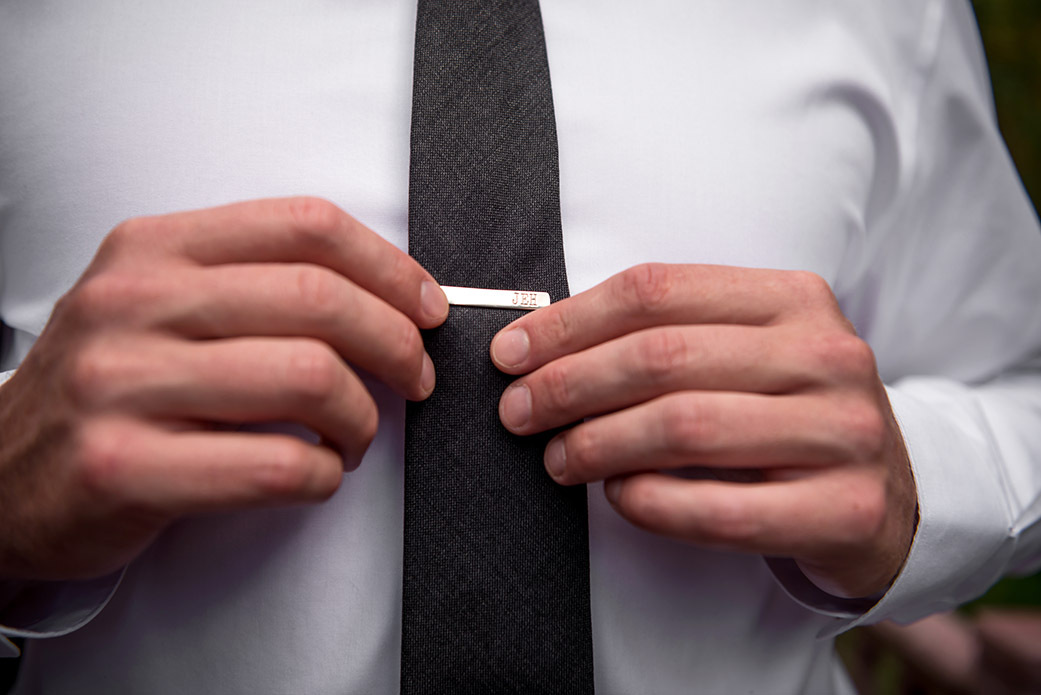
[495, 299]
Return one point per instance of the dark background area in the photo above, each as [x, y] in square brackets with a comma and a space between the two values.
[1011, 31]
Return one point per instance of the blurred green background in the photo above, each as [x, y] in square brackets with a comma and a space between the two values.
[1011, 32]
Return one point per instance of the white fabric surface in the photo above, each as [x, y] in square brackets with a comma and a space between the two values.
[853, 139]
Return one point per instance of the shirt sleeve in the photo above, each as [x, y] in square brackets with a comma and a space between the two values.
[949, 296]
[50, 609]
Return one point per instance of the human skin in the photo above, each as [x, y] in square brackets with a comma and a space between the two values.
[755, 374]
[117, 421]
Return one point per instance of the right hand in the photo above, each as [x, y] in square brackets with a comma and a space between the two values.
[116, 423]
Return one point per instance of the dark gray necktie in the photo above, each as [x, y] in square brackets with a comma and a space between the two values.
[496, 573]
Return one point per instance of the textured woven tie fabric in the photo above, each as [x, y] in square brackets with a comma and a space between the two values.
[496, 564]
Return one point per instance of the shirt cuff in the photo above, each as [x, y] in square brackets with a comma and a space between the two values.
[799, 587]
[50, 609]
[961, 502]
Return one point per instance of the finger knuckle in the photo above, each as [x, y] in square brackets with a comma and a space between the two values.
[287, 469]
[839, 356]
[100, 298]
[661, 354]
[865, 514]
[687, 427]
[105, 453]
[406, 348]
[400, 270]
[584, 448]
[313, 371]
[732, 523]
[864, 428]
[857, 358]
[647, 287]
[555, 392]
[314, 223]
[92, 374]
[643, 505]
[554, 327]
[809, 287]
[137, 235]
[127, 233]
[318, 293]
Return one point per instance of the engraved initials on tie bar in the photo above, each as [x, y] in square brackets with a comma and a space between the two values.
[495, 299]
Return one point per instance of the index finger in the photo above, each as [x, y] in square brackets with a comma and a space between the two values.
[654, 294]
[303, 230]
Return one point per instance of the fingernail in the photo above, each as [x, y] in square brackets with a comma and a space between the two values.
[427, 377]
[432, 300]
[556, 457]
[511, 348]
[613, 488]
[515, 408]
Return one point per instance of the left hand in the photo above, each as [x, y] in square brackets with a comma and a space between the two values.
[732, 369]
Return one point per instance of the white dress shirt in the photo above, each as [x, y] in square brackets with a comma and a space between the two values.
[853, 139]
